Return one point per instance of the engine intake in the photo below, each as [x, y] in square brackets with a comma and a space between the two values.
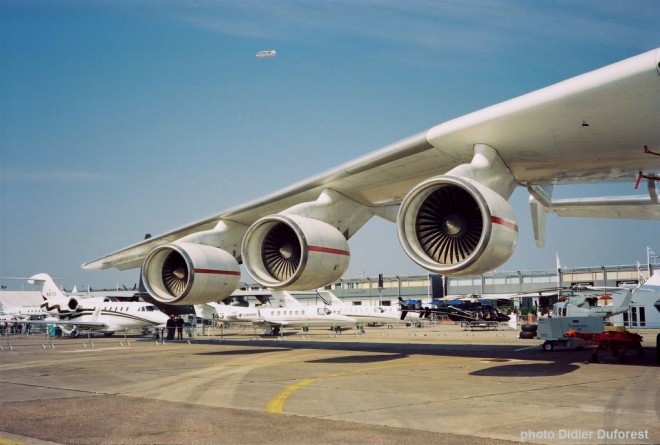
[188, 273]
[294, 252]
[456, 226]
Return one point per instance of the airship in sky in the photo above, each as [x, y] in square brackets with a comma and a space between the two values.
[265, 54]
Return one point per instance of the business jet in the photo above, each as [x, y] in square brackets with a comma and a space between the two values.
[20, 313]
[101, 314]
[273, 318]
[446, 189]
[364, 314]
[327, 301]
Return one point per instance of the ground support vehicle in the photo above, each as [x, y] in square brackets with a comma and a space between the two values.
[553, 331]
[616, 341]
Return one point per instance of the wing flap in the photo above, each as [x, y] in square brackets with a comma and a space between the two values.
[615, 207]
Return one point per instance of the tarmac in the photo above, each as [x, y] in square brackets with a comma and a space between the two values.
[436, 384]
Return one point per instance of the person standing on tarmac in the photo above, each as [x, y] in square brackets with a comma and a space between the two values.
[171, 325]
[179, 328]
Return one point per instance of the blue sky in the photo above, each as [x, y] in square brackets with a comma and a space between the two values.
[119, 118]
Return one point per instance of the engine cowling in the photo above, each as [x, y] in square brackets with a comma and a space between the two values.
[456, 226]
[294, 252]
[188, 273]
[62, 306]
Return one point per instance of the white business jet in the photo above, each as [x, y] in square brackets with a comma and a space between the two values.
[100, 314]
[273, 318]
[20, 313]
[364, 314]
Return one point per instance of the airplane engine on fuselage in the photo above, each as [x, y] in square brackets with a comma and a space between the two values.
[294, 252]
[189, 273]
[456, 226]
[60, 306]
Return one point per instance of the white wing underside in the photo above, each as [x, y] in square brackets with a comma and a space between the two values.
[569, 132]
[80, 324]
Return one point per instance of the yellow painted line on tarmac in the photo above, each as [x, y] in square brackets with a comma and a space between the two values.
[276, 404]
[8, 441]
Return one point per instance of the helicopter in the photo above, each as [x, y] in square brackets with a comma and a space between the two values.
[588, 301]
[463, 311]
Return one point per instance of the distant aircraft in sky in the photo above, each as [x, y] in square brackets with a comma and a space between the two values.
[446, 189]
[101, 314]
[266, 54]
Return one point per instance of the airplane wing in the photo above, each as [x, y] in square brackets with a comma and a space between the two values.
[72, 323]
[446, 188]
[83, 324]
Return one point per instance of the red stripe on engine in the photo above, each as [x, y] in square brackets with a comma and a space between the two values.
[504, 222]
[218, 272]
[328, 250]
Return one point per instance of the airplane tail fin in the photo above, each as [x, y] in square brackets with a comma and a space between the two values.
[404, 308]
[652, 285]
[48, 288]
[283, 298]
[55, 301]
[330, 298]
[653, 281]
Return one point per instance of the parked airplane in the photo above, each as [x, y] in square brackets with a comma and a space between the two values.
[363, 314]
[446, 188]
[101, 314]
[20, 313]
[324, 300]
[272, 319]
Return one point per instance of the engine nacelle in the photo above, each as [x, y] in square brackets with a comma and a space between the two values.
[62, 306]
[456, 226]
[188, 273]
[294, 252]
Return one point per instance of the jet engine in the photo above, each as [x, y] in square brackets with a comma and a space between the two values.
[456, 226]
[63, 306]
[189, 273]
[294, 252]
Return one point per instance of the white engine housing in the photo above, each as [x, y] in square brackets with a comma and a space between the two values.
[294, 252]
[456, 226]
[188, 273]
[62, 306]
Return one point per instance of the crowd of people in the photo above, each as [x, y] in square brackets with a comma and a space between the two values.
[14, 327]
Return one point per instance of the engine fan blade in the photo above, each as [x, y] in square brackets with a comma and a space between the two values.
[175, 274]
[281, 252]
[449, 225]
